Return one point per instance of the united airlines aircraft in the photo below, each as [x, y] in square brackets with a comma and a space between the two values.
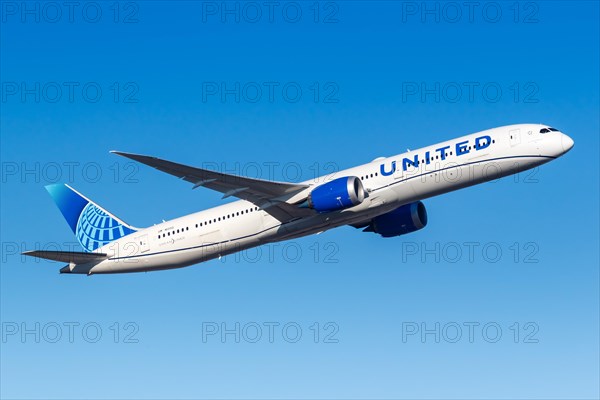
[382, 197]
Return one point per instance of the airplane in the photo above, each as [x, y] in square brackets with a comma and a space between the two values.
[383, 197]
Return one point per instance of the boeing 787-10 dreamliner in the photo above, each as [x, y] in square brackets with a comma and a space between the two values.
[383, 197]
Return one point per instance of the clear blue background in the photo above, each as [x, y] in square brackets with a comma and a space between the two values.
[373, 286]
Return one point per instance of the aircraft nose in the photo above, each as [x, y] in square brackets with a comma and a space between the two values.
[567, 143]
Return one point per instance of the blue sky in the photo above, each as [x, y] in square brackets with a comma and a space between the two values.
[283, 93]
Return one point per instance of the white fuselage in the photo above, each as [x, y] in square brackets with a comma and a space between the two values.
[390, 182]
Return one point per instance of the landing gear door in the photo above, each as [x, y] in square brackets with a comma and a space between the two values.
[515, 137]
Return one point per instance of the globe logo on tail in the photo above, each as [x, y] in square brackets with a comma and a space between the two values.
[95, 228]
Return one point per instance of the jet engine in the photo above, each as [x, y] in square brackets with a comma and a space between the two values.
[337, 194]
[405, 219]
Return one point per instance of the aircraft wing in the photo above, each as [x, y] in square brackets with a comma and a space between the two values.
[269, 195]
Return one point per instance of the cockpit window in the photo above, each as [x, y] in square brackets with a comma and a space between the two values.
[548, 129]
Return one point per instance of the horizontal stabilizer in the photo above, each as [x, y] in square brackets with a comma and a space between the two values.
[72, 257]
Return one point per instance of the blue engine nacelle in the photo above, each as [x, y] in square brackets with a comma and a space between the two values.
[405, 219]
[337, 194]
